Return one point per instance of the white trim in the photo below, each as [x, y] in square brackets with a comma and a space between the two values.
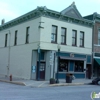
[97, 57]
[72, 58]
[97, 45]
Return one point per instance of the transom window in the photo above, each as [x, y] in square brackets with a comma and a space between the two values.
[54, 34]
[99, 36]
[82, 39]
[63, 35]
[74, 37]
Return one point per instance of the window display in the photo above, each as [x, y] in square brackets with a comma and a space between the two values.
[63, 67]
[79, 66]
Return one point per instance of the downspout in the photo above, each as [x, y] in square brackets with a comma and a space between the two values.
[93, 44]
[9, 54]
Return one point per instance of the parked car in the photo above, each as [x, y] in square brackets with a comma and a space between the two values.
[96, 81]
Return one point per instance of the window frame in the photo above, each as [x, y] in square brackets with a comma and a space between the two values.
[27, 34]
[15, 41]
[54, 34]
[63, 66]
[6, 39]
[79, 66]
[63, 35]
[82, 39]
[75, 44]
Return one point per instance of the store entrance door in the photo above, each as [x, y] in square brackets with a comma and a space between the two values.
[41, 70]
[88, 71]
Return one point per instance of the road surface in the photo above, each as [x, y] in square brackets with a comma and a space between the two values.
[16, 92]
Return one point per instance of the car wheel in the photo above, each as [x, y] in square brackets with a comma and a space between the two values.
[98, 82]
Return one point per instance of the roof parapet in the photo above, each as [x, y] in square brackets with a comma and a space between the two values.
[73, 3]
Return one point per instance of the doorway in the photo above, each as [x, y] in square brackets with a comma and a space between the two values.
[88, 71]
[41, 70]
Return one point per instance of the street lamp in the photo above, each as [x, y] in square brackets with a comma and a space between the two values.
[59, 47]
[38, 74]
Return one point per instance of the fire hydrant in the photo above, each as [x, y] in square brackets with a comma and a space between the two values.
[10, 77]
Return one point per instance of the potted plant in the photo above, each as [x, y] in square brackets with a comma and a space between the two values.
[52, 80]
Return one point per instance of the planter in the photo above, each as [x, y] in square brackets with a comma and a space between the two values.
[52, 81]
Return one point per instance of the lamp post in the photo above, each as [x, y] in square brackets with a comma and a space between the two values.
[57, 81]
[38, 74]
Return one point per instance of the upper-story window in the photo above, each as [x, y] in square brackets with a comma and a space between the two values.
[27, 34]
[82, 39]
[6, 39]
[99, 36]
[63, 35]
[74, 37]
[15, 42]
[54, 34]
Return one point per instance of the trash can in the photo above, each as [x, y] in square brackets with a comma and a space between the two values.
[68, 78]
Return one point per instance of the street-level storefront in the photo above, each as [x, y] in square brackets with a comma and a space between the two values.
[75, 64]
[96, 67]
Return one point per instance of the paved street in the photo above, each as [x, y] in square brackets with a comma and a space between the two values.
[17, 92]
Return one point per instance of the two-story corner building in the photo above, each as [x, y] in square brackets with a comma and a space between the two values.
[95, 17]
[29, 44]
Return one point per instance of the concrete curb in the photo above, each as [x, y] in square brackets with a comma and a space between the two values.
[42, 85]
[61, 84]
[67, 84]
[13, 82]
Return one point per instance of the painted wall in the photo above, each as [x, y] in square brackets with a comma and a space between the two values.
[48, 67]
[21, 54]
[46, 36]
[21, 37]
[4, 61]
[34, 63]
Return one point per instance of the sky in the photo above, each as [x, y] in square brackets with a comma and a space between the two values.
[11, 9]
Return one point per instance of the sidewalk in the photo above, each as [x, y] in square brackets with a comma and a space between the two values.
[34, 83]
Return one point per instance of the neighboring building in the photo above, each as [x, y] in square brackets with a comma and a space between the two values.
[34, 38]
[96, 42]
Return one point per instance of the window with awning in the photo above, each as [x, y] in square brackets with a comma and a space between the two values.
[97, 60]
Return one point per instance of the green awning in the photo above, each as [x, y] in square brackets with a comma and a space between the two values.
[97, 60]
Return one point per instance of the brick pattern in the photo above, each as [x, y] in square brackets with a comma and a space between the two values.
[96, 48]
[97, 26]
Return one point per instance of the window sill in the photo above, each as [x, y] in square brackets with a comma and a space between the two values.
[54, 42]
[27, 43]
[82, 46]
[74, 45]
[63, 44]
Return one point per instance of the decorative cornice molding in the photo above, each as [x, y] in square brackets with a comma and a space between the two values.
[96, 17]
[43, 11]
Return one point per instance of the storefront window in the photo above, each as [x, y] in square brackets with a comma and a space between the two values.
[63, 67]
[79, 66]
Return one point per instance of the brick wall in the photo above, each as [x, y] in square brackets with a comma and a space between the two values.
[97, 26]
[97, 49]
